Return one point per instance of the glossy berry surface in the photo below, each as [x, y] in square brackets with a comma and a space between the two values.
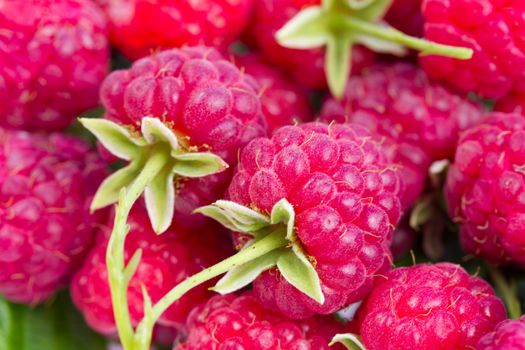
[54, 55]
[283, 101]
[508, 335]
[140, 27]
[166, 260]
[46, 186]
[494, 29]
[344, 193]
[429, 307]
[485, 189]
[242, 323]
[419, 121]
[205, 99]
[305, 66]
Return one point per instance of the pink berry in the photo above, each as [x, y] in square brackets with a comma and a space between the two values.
[418, 120]
[429, 307]
[508, 335]
[242, 323]
[406, 16]
[305, 66]
[344, 193]
[139, 27]
[494, 29]
[485, 189]
[46, 186]
[54, 55]
[205, 99]
[283, 101]
[166, 260]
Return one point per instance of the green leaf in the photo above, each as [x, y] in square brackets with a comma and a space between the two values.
[350, 341]
[198, 164]
[307, 30]
[109, 190]
[117, 139]
[337, 63]
[245, 274]
[52, 326]
[155, 131]
[300, 273]
[235, 216]
[160, 200]
[283, 212]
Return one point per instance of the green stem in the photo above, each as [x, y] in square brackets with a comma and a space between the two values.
[393, 35]
[116, 266]
[274, 240]
[508, 291]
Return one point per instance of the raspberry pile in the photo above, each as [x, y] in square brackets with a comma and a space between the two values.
[262, 174]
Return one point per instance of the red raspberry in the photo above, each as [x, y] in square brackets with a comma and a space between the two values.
[204, 98]
[429, 307]
[495, 29]
[166, 260]
[46, 185]
[406, 16]
[508, 335]
[485, 189]
[242, 323]
[138, 27]
[419, 120]
[344, 195]
[513, 103]
[54, 55]
[305, 66]
[283, 101]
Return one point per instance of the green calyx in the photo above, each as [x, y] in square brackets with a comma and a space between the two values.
[155, 138]
[288, 256]
[349, 340]
[338, 25]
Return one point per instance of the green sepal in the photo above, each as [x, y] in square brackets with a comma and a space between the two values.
[350, 341]
[241, 276]
[307, 30]
[374, 10]
[300, 273]
[155, 131]
[338, 63]
[198, 164]
[132, 265]
[360, 4]
[283, 213]
[159, 196]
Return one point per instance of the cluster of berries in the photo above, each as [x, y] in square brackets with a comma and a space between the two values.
[277, 144]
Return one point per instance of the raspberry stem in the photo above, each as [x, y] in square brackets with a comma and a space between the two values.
[507, 290]
[356, 25]
[118, 274]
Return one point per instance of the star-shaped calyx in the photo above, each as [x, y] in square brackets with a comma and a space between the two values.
[338, 25]
[277, 229]
[154, 139]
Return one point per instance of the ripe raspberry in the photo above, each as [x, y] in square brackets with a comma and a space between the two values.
[206, 100]
[46, 185]
[242, 323]
[138, 27]
[54, 55]
[406, 16]
[485, 189]
[344, 195]
[305, 66]
[429, 307]
[419, 120]
[166, 260]
[513, 103]
[508, 335]
[283, 101]
[494, 29]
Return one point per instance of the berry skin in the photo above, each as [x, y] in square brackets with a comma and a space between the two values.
[508, 335]
[485, 189]
[418, 120]
[242, 323]
[494, 29]
[344, 194]
[429, 307]
[208, 102]
[166, 260]
[305, 66]
[139, 27]
[54, 55]
[406, 16]
[46, 186]
[283, 101]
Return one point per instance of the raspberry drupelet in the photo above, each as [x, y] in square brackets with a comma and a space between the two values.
[508, 335]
